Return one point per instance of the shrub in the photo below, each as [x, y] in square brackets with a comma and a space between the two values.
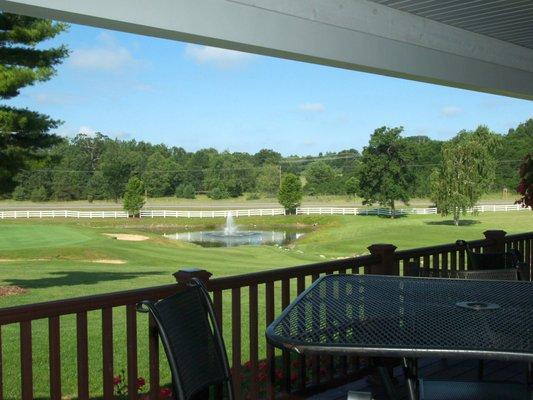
[218, 194]
[19, 194]
[253, 196]
[39, 194]
[185, 191]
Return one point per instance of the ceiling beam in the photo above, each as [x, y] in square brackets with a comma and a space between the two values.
[352, 34]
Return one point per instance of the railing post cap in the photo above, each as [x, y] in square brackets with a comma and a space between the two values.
[186, 274]
[381, 248]
[494, 233]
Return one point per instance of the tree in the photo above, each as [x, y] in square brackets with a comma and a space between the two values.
[525, 186]
[290, 193]
[467, 171]
[134, 196]
[517, 143]
[23, 133]
[268, 179]
[385, 175]
[159, 175]
[117, 165]
[321, 178]
[351, 186]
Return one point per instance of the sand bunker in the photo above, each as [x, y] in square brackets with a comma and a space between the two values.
[11, 290]
[7, 260]
[108, 261]
[128, 237]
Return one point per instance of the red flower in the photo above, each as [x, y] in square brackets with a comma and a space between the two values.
[140, 383]
[165, 393]
[248, 364]
[261, 377]
[117, 380]
[263, 366]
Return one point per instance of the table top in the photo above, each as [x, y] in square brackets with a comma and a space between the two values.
[409, 317]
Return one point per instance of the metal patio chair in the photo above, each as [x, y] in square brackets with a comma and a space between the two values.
[511, 259]
[193, 344]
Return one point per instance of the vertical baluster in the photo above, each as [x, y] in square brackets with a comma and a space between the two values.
[131, 341]
[1, 368]
[254, 342]
[217, 308]
[427, 263]
[315, 373]
[54, 356]
[453, 260]
[300, 287]
[107, 352]
[286, 367]
[26, 360]
[83, 355]
[462, 260]
[236, 339]
[435, 261]
[528, 257]
[269, 294]
[153, 350]
[444, 261]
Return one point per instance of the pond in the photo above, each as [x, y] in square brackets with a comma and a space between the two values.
[232, 236]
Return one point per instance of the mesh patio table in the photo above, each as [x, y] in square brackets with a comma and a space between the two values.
[408, 318]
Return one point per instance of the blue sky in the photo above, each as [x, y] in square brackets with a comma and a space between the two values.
[142, 88]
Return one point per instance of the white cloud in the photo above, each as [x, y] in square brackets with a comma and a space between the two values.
[87, 130]
[221, 58]
[107, 56]
[450, 111]
[312, 107]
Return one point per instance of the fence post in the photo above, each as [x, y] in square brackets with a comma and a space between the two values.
[387, 266]
[186, 274]
[496, 239]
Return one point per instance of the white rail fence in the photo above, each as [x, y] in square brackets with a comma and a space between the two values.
[244, 213]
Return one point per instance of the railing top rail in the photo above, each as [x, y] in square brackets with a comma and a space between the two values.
[422, 251]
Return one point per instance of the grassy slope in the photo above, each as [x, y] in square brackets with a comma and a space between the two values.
[70, 244]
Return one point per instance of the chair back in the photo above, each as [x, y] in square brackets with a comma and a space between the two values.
[490, 260]
[192, 341]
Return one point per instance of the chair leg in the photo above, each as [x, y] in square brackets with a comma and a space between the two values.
[480, 370]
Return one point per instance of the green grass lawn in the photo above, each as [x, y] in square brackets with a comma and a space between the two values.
[54, 259]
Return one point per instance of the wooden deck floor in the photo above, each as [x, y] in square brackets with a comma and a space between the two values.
[436, 369]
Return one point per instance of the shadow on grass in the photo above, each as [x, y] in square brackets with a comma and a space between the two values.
[73, 278]
[462, 222]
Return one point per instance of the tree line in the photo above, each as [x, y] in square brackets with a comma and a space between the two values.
[96, 167]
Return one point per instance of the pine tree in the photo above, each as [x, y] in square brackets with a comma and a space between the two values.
[23, 132]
